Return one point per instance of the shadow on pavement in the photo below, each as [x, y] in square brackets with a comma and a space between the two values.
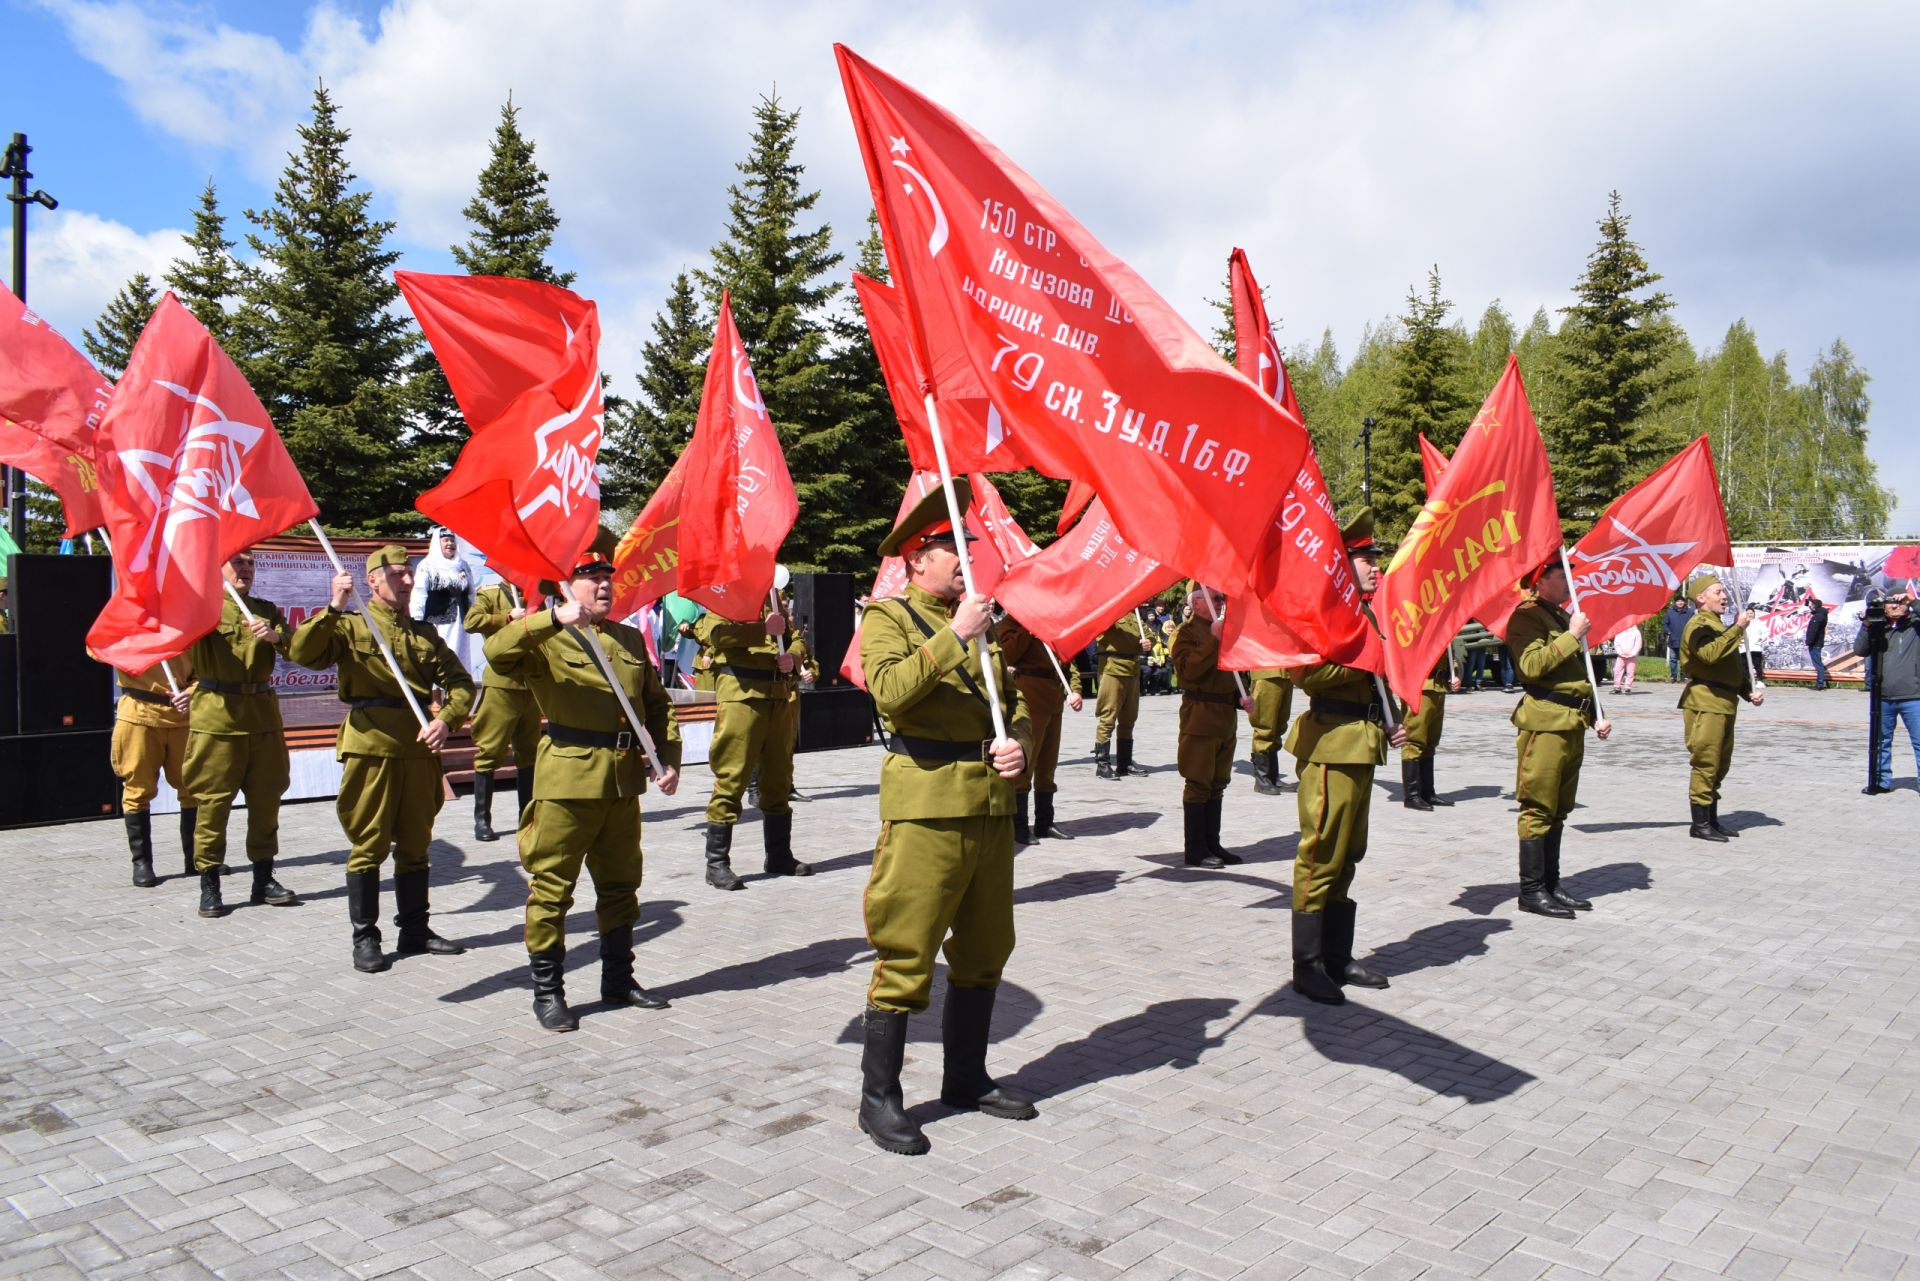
[1592, 882]
[1365, 1037]
[1433, 946]
[1013, 1009]
[827, 956]
[1741, 820]
[1165, 1034]
[1600, 829]
[1069, 885]
[583, 950]
[1108, 824]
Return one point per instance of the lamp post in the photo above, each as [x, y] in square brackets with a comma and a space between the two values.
[1366, 459]
[15, 488]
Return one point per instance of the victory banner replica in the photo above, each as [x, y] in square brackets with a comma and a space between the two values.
[51, 404]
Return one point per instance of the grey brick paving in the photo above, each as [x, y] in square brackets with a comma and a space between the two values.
[1710, 1075]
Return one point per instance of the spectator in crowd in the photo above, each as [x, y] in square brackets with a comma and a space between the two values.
[1817, 639]
[1674, 624]
[442, 593]
[1626, 653]
[1899, 687]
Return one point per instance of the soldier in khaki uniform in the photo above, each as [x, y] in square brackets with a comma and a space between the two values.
[149, 737]
[1272, 708]
[390, 773]
[1718, 677]
[753, 683]
[1044, 695]
[1336, 745]
[1118, 704]
[505, 717]
[944, 860]
[1423, 732]
[1210, 706]
[236, 745]
[806, 671]
[587, 786]
[1546, 642]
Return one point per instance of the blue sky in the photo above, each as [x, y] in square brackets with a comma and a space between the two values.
[1769, 154]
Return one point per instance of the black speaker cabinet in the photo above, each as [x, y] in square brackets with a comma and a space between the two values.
[831, 718]
[9, 685]
[55, 600]
[823, 608]
[55, 778]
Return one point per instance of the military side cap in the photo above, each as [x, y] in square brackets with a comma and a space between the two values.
[1357, 534]
[596, 556]
[1532, 576]
[927, 520]
[1700, 583]
[391, 554]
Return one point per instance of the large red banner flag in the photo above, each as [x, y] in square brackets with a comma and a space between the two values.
[737, 501]
[1076, 586]
[1433, 463]
[646, 564]
[1639, 553]
[51, 403]
[1105, 380]
[191, 473]
[1304, 605]
[1490, 519]
[523, 360]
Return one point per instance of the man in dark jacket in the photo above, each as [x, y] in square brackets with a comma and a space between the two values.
[1899, 687]
[1817, 640]
[1675, 619]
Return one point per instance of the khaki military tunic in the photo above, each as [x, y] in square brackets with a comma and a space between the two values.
[1045, 697]
[943, 866]
[754, 720]
[236, 745]
[586, 796]
[1209, 712]
[1552, 741]
[149, 737]
[505, 717]
[1336, 743]
[1272, 696]
[1718, 677]
[1424, 726]
[1119, 650]
[390, 781]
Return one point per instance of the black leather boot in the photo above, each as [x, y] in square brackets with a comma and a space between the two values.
[1559, 895]
[1123, 758]
[140, 842]
[210, 904]
[776, 831]
[1266, 773]
[410, 918]
[1022, 830]
[1426, 782]
[1199, 850]
[1215, 807]
[1703, 828]
[268, 890]
[363, 910]
[1103, 761]
[1337, 942]
[964, 1083]
[616, 973]
[1310, 977]
[522, 790]
[1043, 825]
[550, 990]
[1533, 881]
[883, 1112]
[1713, 819]
[189, 820]
[719, 858]
[483, 808]
[753, 789]
[1410, 794]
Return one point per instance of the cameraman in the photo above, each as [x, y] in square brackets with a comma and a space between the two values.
[1898, 655]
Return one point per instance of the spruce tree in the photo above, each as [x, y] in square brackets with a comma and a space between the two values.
[647, 434]
[1427, 399]
[207, 279]
[1613, 358]
[110, 342]
[333, 351]
[876, 455]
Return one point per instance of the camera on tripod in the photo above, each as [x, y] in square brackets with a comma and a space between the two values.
[1874, 619]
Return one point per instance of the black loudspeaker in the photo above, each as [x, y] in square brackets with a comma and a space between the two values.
[823, 609]
[54, 778]
[9, 685]
[831, 718]
[55, 600]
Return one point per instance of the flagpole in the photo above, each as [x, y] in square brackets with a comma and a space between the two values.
[1238, 683]
[1059, 670]
[379, 637]
[773, 599]
[247, 613]
[959, 520]
[626, 704]
[1573, 599]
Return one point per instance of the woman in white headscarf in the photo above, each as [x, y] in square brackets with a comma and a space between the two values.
[442, 591]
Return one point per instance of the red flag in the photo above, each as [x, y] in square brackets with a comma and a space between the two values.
[70, 474]
[1074, 588]
[1105, 379]
[976, 438]
[1498, 611]
[1311, 612]
[1079, 494]
[51, 402]
[1490, 519]
[523, 360]
[191, 473]
[1640, 551]
[646, 565]
[1433, 463]
[737, 502]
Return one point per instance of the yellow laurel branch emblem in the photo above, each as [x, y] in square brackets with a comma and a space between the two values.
[1435, 522]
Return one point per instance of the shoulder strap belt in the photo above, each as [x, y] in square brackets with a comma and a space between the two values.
[1345, 710]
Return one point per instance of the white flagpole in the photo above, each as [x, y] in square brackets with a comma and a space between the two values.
[626, 704]
[1059, 670]
[773, 599]
[1238, 682]
[959, 520]
[1573, 599]
[247, 613]
[172, 684]
[379, 637]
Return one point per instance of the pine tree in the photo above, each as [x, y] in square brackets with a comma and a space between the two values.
[1613, 356]
[207, 279]
[333, 352]
[110, 342]
[1427, 399]
[876, 455]
[648, 433]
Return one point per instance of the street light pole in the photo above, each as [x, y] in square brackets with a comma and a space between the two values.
[15, 488]
[1366, 459]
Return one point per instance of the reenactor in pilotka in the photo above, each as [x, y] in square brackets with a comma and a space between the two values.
[754, 677]
[1040, 688]
[150, 737]
[505, 717]
[1336, 745]
[1118, 653]
[1210, 706]
[1547, 642]
[1423, 731]
[236, 745]
[587, 786]
[944, 860]
[1717, 679]
[390, 771]
[806, 672]
[1272, 696]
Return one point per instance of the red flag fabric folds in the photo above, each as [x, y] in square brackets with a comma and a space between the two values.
[1076, 586]
[1489, 519]
[1079, 494]
[1433, 463]
[191, 473]
[1105, 380]
[51, 403]
[523, 360]
[1640, 551]
[646, 564]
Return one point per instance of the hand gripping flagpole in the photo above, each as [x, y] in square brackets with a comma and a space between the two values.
[379, 637]
[1059, 671]
[959, 520]
[1573, 599]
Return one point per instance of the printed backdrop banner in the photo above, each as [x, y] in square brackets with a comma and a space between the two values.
[1777, 582]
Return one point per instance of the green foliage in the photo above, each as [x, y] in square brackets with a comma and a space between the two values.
[207, 279]
[876, 463]
[110, 342]
[1428, 398]
[648, 433]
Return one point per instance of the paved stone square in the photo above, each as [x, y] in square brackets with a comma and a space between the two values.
[1711, 1074]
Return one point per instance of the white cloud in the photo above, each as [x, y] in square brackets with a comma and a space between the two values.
[77, 261]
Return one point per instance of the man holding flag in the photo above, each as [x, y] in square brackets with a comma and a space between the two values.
[505, 717]
[1117, 705]
[1210, 706]
[1718, 677]
[150, 737]
[754, 675]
